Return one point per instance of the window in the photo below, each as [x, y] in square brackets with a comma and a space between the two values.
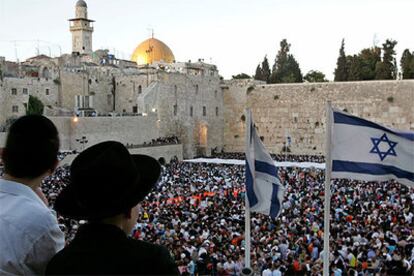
[215, 93]
[25, 91]
[86, 101]
[139, 89]
[14, 91]
[204, 111]
[191, 111]
[78, 101]
[175, 110]
[196, 89]
[45, 73]
[216, 110]
[15, 109]
[47, 91]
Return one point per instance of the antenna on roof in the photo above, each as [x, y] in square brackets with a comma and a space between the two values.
[375, 40]
[15, 51]
[38, 48]
[151, 31]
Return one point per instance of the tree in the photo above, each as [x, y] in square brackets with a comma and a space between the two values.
[387, 68]
[286, 68]
[354, 66]
[35, 106]
[265, 70]
[258, 75]
[368, 59]
[341, 71]
[241, 76]
[315, 76]
[407, 64]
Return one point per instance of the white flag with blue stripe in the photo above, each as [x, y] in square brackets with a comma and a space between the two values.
[263, 188]
[364, 150]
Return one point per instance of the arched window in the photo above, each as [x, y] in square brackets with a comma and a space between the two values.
[45, 73]
[139, 89]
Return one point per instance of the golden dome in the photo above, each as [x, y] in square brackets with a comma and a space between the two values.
[152, 50]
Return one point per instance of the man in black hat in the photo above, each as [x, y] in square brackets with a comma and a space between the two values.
[107, 183]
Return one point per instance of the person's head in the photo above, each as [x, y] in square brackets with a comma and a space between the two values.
[31, 147]
[106, 185]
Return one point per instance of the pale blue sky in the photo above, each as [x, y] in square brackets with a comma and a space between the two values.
[234, 35]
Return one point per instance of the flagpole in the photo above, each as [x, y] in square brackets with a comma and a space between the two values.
[246, 201]
[327, 205]
[247, 232]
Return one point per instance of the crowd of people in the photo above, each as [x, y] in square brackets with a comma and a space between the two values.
[276, 157]
[169, 140]
[197, 212]
[63, 154]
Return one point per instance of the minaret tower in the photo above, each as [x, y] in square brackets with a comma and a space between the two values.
[81, 29]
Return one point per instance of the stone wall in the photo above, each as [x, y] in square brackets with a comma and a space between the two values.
[200, 132]
[44, 89]
[95, 81]
[298, 110]
[128, 88]
[132, 130]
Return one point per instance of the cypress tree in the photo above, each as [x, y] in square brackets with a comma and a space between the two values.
[407, 64]
[341, 71]
[265, 70]
[258, 75]
[286, 68]
[387, 69]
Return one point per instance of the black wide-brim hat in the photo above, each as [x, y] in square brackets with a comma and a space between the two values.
[106, 180]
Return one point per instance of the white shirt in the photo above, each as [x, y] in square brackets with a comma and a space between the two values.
[276, 272]
[29, 232]
[267, 272]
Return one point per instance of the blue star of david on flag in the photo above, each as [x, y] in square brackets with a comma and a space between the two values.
[383, 154]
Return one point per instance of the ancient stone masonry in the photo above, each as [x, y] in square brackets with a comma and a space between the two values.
[298, 110]
[155, 96]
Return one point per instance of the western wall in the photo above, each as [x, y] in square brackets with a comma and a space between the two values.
[298, 110]
[127, 130]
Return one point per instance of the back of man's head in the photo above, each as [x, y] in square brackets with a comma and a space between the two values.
[31, 147]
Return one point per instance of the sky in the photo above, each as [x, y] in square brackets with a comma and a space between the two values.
[235, 35]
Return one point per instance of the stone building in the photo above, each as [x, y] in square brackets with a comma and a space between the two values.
[152, 95]
[185, 97]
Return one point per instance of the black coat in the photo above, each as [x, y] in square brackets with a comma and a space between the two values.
[105, 249]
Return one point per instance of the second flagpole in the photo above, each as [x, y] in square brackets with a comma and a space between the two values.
[246, 201]
[327, 205]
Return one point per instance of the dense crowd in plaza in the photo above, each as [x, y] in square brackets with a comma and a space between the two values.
[276, 157]
[197, 212]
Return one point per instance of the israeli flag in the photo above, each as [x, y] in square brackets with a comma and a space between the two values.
[263, 188]
[364, 150]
